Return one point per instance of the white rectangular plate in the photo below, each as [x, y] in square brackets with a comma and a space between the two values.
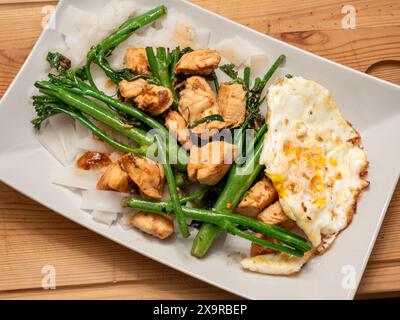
[372, 105]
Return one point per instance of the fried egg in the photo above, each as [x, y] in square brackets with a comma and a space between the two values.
[279, 263]
[314, 158]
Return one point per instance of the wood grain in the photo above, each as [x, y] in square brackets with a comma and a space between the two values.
[89, 266]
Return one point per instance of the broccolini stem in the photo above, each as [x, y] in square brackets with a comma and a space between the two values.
[175, 152]
[239, 181]
[53, 108]
[172, 187]
[95, 111]
[238, 184]
[228, 221]
[98, 53]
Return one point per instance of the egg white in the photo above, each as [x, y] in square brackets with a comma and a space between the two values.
[314, 158]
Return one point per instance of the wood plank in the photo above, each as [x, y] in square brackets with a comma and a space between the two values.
[83, 257]
[387, 246]
[382, 277]
[358, 49]
[167, 288]
[273, 17]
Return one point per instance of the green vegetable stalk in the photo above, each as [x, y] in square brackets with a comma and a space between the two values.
[162, 67]
[78, 87]
[46, 107]
[99, 53]
[293, 244]
[172, 187]
[95, 111]
[238, 182]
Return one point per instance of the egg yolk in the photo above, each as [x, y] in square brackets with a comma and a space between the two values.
[307, 164]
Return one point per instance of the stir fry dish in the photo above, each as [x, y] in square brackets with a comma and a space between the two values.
[182, 148]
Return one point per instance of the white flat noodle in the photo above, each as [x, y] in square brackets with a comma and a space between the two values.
[201, 38]
[116, 60]
[50, 141]
[115, 156]
[103, 82]
[64, 127]
[75, 178]
[81, 131]
[258, 65]
[104, 217]
[109, 201]
[114, 14]
[90, 144]
[124, 139]
[237, 50]
[80, 30]
[124, 219]
[222, 76]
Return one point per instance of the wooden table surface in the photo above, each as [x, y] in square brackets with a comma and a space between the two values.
[89, 266]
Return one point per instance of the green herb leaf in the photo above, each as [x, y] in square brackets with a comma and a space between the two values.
[58, 61]
[214, 117]
[229, 69]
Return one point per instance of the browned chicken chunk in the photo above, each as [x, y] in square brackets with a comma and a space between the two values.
[136, 60]
[275, 215]
[177, 126]
[271, 215]
[197, 102]
[131, 89]
[257, 250]
[201, 62]
[232, 104]
[158, 226]
[115, 179]
[260, 196]
[93, 160]
[209, 164]
[150, 98]
[146, 174]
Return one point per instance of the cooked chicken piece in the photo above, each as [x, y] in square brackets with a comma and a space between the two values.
[275, 215]
[114, 179]
[131, 89]
[146, 174]
[257, 250]
[260, 196]
[156, 225]
[209, 164]
[93, 160]
[208, 129]
[136, 60]
[156, 100]
[201, 62]
[272, 215]
[177, 126]
[196, 99]
[150, 98]
[197, 102]
[232, 104]
[276, 263]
